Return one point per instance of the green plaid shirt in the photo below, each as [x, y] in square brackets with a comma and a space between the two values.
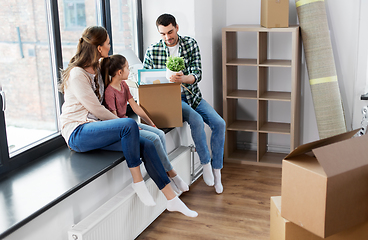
[157, 54]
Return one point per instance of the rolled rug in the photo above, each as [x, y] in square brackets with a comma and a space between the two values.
[321, 67]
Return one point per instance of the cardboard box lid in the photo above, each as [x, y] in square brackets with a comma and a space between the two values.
[336, 155]
[343, 156]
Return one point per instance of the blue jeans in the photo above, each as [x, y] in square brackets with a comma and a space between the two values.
[196, 118]
[156, 136]
[120, 134]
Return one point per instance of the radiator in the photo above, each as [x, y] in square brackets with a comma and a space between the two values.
[124, 216]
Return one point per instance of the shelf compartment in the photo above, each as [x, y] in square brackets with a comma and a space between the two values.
[245, 87]
[244, 109]
[239, 155]
[275, 63]
[242, 125]
[271, 158]
[270, 54]
[275, 96]
[272, 83]
[242, 62]
[240, 145]
[247, 94]
[275, 127]
[243, 41]
[268, 149]
[269, 118]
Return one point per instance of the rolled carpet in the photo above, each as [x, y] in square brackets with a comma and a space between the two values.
[321, 67]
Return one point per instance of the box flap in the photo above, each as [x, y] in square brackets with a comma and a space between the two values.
[343, 156]
[302, 149]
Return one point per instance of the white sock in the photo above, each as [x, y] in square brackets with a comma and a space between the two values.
[182, 186]
[176, 205]
[207, 174]
[174, 187]
[144, 195]
[218, 185]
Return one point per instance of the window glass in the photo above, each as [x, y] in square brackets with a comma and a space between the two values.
[75, 16]
[27, 79]
[124, 36]
[123, 24]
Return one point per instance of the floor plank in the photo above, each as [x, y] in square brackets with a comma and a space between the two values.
[241, 212]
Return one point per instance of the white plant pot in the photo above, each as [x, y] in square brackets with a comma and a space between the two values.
[169, 73]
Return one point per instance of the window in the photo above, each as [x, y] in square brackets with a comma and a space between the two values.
[75, 14]
[27, 82]
[40, 37]
[124, 26]
[70, 34]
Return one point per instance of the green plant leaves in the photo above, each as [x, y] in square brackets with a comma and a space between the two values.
[175, 64]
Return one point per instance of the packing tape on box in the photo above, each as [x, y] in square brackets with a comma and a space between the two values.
[321, 67]
[303, 2]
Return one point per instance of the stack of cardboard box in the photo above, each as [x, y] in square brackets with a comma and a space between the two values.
[324, 191]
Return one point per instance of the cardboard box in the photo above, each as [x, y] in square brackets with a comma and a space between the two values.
[328, 192]
[282, 229]
[275, 13]
[162, 103]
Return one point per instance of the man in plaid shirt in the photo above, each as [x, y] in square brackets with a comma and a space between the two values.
[196, 110]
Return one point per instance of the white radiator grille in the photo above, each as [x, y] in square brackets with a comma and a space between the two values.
[124, 216]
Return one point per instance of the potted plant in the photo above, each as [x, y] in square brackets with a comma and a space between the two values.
[174, 65]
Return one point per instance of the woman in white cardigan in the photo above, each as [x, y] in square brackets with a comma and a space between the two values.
[88, 125]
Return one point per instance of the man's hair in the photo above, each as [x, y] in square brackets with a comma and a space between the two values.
[165, 20]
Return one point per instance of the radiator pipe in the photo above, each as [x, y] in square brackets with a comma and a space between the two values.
[194, 175]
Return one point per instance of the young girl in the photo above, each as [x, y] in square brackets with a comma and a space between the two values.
[117, 95]
[87, 125]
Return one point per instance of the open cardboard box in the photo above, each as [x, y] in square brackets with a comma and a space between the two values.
[162, 103]
[282, 229]
[274, 13]
[328, 192]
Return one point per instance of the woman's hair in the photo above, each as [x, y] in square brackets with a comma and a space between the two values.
[165, 20]
[110, 65]
[87, 54]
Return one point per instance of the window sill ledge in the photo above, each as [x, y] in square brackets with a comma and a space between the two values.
[33, 189]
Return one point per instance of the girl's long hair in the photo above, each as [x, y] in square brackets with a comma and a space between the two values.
[87, 55]
[110, 65]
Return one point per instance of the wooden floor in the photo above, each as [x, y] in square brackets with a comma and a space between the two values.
[240, 212]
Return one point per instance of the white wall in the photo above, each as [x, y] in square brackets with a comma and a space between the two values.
[181, 9]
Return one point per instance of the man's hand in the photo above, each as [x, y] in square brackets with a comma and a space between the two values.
[181, 78]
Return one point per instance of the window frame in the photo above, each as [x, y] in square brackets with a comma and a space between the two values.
[11, 163]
